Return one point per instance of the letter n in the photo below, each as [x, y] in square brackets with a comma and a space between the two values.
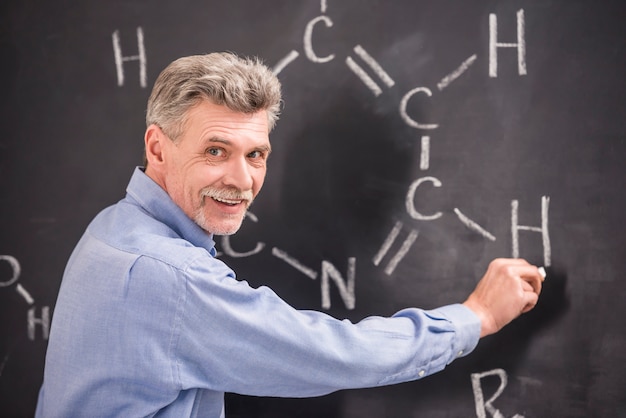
[346, 288]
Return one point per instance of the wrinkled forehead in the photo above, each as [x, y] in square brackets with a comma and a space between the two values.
[207, 120]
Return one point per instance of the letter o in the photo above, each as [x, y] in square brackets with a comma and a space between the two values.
[15, 265]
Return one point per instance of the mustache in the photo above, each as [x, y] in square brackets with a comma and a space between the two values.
[227, 194]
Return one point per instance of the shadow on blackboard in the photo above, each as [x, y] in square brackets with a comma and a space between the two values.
[509, 345]
[506, 350]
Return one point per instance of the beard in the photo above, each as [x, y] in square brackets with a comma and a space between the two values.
[224, 224]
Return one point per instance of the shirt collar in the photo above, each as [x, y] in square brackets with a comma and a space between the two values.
[153, 199]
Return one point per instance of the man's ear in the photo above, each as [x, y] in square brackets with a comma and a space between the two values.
[153, 141]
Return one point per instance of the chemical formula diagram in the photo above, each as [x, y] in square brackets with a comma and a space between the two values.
[384, 80]
[32, 321]
[376, 79]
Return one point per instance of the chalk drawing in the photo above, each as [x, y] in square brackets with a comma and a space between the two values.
[374, 66]
[120, 59]
[487, 406]
[543, 230]
[494, 44]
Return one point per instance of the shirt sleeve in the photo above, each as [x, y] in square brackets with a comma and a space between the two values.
[234, 338]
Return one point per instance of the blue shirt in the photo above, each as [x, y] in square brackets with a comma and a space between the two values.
[149, 323]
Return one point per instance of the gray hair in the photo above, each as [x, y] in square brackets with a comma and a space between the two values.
[243, 85]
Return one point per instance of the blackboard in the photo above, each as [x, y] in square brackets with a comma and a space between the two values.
[418, 141]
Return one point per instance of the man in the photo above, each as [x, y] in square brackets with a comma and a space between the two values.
[149, 323]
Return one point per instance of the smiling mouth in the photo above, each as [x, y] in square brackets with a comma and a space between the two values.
[229, 202]
[231, 198]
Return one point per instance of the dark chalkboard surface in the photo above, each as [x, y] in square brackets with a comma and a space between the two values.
[419, 140]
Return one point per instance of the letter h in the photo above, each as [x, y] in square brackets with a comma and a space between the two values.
[543, 229]
[494, 44]
[44, 321]
[119, 59]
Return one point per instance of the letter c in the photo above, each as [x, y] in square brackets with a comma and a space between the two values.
[228, 249]
[406, 117]
[410, 197]
[308, 43]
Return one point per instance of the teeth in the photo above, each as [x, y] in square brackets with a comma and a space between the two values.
[229, 202]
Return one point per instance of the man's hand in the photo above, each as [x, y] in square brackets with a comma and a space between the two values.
[509, 288]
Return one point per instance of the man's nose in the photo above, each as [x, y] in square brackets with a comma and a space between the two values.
[238, 174]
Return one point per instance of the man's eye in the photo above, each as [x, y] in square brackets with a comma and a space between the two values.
[215, 152]
[255, 154]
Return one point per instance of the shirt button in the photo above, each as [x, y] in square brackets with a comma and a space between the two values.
[421, 373]
[460, 353]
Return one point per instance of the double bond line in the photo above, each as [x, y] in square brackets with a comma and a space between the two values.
[374, 66]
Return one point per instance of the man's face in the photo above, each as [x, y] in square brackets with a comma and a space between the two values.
[217, 166]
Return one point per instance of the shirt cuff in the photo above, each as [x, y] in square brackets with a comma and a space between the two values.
[466, 325]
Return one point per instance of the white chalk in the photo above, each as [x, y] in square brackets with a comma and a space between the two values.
[542, 271]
